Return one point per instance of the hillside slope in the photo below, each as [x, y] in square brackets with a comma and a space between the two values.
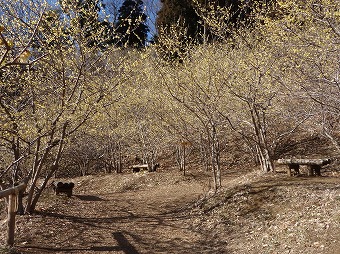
[274, 214]
[168, 213]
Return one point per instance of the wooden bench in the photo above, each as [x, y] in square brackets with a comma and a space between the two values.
[145, 167]
[314, 165]
[139, 167]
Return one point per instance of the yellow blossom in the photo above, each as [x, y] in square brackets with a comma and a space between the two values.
[24, 56]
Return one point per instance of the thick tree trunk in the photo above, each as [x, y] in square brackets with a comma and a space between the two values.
[265, 160]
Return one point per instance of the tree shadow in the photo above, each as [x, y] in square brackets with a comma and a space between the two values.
[143, 238]
[89, 198]
[124, 243]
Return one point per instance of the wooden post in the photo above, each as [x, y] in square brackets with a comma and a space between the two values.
[295, 168]
[310, 170]
[11, 193]
[11, 219]
[317, 170]
[289, 170]
[314, 170]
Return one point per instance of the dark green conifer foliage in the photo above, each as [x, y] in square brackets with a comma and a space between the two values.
[131, 28]
[180, 12]
[185, 13]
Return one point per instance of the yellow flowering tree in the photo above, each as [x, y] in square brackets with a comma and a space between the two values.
[309, 37]
[49, 100]
[16, 38]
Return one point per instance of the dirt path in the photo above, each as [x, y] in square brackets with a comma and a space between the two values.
[152, 213]
[147, 220]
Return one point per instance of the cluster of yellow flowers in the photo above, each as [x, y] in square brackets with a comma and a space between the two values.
[9, 44]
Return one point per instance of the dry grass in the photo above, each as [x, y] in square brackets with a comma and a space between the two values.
[168, 213]
[274, 214]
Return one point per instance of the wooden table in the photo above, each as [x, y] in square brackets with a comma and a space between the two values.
[314, 165]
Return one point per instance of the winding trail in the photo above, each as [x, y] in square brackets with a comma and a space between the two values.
[152, 219]
[154, 213]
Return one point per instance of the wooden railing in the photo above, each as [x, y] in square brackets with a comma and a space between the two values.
[12, 194]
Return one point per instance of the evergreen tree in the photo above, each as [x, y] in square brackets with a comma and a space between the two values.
[180, 12]
[131, 28]
[186, 13]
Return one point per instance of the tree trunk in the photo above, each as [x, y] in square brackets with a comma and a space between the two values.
[204, 154]
[16, 151]
[183, 160]
[181, 157]
[33, 173]
[11, 219]
[42, 188]
[215, 159]
[31, 191]
[20, 204]
[333, 141]
[53, 169]
[261, 139]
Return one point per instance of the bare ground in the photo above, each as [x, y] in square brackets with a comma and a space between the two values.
[168, 213]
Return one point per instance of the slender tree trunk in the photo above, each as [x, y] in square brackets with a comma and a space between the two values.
[16, 151]
[333, 141]
[215, 159]
[28, 208]
[33, 172]
[120, 158]
[53, 169]
[179, 157]
[183, 159]
[204, 153]
[39, 161]
[42, 188]
[16, 166]
[262, 145]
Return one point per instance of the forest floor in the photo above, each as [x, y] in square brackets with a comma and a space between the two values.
[166, 212]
